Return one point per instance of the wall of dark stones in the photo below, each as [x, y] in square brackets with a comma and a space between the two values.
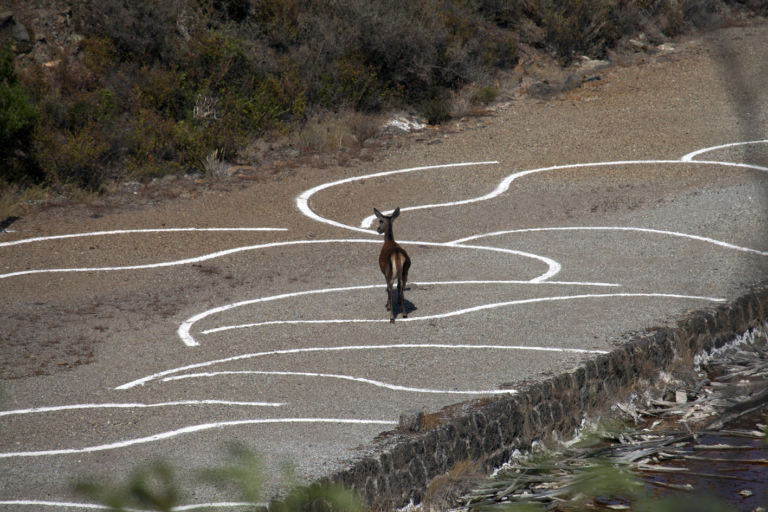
[487, 431]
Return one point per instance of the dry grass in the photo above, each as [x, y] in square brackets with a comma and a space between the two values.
[13, 197]
[330, 132]
[444, 490]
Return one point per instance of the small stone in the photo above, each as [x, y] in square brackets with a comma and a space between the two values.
[681, 396]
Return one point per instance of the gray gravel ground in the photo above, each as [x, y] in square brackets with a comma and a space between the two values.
[698, 233]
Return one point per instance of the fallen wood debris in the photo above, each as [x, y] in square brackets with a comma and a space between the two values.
[659, 433]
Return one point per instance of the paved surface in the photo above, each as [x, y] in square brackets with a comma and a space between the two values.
[539, 236]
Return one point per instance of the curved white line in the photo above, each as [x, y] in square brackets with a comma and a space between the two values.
[730, 164]
[616, 228]
[185, 261]
[690, 156]
[189, 430]
[395, 346]
[302, 201]
[377, 383]
[504, 185]
[93, 506]
[186, 326]
[129, 231]
[465, 311]
[73, 407]
[554, 267]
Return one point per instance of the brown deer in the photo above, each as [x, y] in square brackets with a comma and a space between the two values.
[393, 261]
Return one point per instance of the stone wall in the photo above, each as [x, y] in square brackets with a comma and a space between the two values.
[489, 430]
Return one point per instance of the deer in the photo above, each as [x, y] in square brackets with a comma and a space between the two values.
[393, 261]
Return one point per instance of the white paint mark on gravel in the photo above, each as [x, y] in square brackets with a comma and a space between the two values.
[616, 228]
[93, 506]
[193, 429]
[302, 201]
[397, 346]
[377, 383]
[129, 231]
[553, 266]
[465, 311]
[690, 156]
[73, 407]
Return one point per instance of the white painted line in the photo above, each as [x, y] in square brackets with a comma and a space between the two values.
[72, 407]
[465, 311]
[184, 329]
[93, 506]
[185, 261]
[504, 185]
[690, 156]
[396, 346]
[302, 201]
[554, 267]
[506, 182]
[129, 231]
[616, 228]
[192, 429]
[57, 504]
[553, 270]
[731, 164]
[377, 383]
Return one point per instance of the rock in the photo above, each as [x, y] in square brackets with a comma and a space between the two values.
[542, 90]
[11, 28]
[411, 421]
[587, 64]
[666, 47]
[403, 124]
[573, 81]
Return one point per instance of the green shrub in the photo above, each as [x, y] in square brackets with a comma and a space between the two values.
[74, 158]
[485, 95]
[96, 107]
[18, 121]
[352, 83]
[436, 110]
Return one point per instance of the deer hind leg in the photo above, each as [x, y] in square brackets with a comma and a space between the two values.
[402, 279]
[389, 299]
[401, 293]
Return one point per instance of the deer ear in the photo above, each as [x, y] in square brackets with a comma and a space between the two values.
[396, 212]
[378, 213]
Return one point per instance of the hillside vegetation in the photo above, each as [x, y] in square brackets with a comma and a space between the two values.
[143, 88]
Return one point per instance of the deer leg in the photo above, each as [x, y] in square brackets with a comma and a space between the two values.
[390, 305]
[401, 296]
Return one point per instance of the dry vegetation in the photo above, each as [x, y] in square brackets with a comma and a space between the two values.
[138, 89]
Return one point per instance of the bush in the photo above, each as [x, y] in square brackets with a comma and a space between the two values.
[436, 110]
[18, 121]
[159, 85]
[485, 95]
